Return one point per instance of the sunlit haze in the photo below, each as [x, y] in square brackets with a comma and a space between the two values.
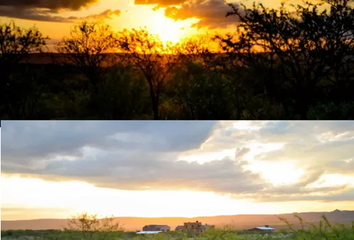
[171, 20]
[53, 169]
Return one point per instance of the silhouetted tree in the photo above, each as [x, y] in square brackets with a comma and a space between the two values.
[152, 57]
[87, 48]
[16, 44]
[198, 49]
[292, 53]
[91, 227]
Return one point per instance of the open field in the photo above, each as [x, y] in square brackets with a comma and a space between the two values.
[54, 235]
[324, 230]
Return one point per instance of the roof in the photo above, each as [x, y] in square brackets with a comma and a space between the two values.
[265, 228]
[156, 226]
[148, 232]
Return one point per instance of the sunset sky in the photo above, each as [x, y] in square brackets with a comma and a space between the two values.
[53, 169]
[171, 19]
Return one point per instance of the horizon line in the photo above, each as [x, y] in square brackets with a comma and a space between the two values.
[181, 217]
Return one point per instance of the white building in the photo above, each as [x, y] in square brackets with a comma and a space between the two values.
[148, 232]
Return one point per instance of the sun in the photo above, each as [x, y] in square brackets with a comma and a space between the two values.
[167, 29]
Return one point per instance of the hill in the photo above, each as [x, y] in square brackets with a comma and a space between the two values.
[238, 221]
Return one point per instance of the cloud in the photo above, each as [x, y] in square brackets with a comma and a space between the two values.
[212, 13]
[168, 155]
[311, 152]
[49, 15]
[330, 194]
[123, 155]
[105, 14]
[47, 4]
[37, 141]
[158, 171]
[160, 3]
[141, 170]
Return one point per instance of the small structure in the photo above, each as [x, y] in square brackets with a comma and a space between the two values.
[179, 228]
[266, 228]
[154, 227]
[193, 227]
[148, 232]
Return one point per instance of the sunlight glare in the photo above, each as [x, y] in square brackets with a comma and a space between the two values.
[75, 196]
[277, 173]
[203, 157]
[167, 29]
[330, 180]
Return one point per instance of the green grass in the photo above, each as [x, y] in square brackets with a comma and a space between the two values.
[324, 230]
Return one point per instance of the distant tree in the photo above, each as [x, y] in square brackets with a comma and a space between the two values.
[153, 58]
[198, 49]
[91, 227]
[88, 47]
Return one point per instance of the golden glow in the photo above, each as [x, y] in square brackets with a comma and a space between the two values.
[29, 198]
[166, 28]
[277, 173]
[258, 148]
[132, 16]
[329, 180]
[203, 157]
[245, 125]
[78, 196]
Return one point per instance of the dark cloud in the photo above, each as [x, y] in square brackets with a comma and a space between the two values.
[46, 4]
[157, 171]
[123, 155]
[48, 139]
[49, 15]
[212, 13]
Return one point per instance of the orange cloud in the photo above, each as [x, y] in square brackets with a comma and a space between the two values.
[160, 3]
[212, 13]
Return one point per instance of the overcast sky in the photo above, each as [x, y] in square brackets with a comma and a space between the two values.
[255, 163]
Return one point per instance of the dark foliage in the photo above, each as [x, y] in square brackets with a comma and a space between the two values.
[280, 64]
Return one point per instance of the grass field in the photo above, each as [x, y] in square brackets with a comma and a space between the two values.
[323, 231]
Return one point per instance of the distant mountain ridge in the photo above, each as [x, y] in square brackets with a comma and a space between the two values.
[238, 221]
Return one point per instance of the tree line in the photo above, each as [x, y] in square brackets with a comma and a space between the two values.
[287, 63]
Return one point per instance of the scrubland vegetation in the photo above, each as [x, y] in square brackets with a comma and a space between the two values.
[85, 227]
[287, 63]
